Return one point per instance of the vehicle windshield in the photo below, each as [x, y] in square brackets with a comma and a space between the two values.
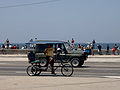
[67, 46]
[70, 49]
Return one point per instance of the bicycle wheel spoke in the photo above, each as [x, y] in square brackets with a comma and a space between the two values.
[67, 70]
[31, 70]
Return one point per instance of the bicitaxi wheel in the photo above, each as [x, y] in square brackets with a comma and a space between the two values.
[31, 70]
[67, 70]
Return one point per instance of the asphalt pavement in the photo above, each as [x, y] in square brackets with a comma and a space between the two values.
[98, 72]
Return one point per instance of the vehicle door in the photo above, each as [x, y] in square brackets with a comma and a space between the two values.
[63, 53]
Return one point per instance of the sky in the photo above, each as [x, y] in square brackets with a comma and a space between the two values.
[83, 20]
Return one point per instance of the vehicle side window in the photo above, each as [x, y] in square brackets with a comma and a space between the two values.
[40, 48]
[61, 46]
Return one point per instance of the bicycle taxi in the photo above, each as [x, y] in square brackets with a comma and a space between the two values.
[63, 59]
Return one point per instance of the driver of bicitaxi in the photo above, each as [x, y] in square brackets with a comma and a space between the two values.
[49, 52]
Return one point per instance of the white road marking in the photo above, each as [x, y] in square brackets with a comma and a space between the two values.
[20, 72]
[114, 77]
[3, 63]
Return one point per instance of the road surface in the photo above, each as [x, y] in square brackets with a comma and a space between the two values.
[89, 69]
[96, 74]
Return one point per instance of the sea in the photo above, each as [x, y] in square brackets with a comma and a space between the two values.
[104, 45]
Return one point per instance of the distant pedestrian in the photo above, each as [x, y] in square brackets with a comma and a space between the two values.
[93, 46]
[17, 46]
[3, 47]
[93, 43]
[68, 41]
[79, 46]
[99, 49]
[7, 43]
[72, 41]
[116, 49]
[107, 52]
[92, 49]
[113, 50]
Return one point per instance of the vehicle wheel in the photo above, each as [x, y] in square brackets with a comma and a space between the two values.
[31, 70]
[81, 62]
[67, 70]
[75, 62]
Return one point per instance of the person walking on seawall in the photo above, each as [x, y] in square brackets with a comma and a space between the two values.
[7, 43]
[116, 49]
[72, 41]
[113, 50]
[93, 43]
[107, 52]
[3, 47]
[99, 49]
[92, 47]
[49, 52]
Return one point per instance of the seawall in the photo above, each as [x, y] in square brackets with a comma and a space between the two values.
[25, 51]
[14, 51]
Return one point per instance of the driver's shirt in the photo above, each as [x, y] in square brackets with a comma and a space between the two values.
[49, 52]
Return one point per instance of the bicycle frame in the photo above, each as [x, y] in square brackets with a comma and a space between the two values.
[36, 68]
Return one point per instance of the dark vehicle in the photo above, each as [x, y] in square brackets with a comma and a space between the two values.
[75, 57]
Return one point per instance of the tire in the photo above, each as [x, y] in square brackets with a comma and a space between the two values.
[75, 62]
[31, 70]
[67, 70]
[81, 62]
